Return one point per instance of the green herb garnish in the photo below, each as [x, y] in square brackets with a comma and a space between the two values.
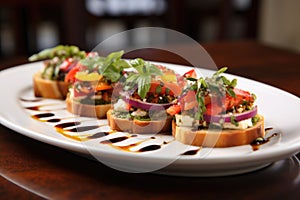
[110, 67]
[233, 121]
[255, 119]
[60, 51]
[143, 78]
[217, 86]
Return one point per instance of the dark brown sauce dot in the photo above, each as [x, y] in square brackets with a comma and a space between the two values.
[42, 115]
[66, 125]
[83, 128]
[153, 137]
[260, 141]
[98, 135]
[151, 147]
[37, 108]
[268, 129]
[54, 120]
[114, 140]
[190, 152]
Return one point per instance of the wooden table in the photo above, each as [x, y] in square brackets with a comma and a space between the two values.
[33, 170]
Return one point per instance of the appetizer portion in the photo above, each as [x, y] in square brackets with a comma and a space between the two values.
[94, 79]
[51, 81]
[140, 100]
[214, 113]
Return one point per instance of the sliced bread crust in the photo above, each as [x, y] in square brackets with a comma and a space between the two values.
[48, 88]
[98, 111]
[221, 138]
[137, 126]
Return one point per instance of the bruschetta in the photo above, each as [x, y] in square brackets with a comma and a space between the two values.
[214, 113]
[52, 80]
[94, 80]
[140, 101]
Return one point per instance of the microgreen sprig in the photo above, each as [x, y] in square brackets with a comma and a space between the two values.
[217, 85]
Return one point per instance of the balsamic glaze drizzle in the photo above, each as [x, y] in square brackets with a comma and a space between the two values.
[190, 152]
[151, 147]
[42, 115]
[260, 141]
[67, 127]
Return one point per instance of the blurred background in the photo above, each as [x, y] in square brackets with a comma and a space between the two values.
[28, 26]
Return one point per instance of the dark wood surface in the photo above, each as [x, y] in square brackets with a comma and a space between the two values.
[33, 170]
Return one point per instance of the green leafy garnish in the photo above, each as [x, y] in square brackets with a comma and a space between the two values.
[233, 121]
[216, 85]
[143, 78]
[55, 57]
[255, 119]
[110, 67]
[60, 51]
[158, 89]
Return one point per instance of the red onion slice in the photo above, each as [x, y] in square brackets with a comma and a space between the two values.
[227, 118]
[146, 105]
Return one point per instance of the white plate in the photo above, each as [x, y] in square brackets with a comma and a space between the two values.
[281, 111]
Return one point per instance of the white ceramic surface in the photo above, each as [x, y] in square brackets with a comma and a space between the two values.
[281, 111]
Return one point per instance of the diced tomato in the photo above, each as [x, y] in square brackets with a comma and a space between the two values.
[70, 76]
[214, 109]
[190, 74]
[79, 93]
[91, 54]
[173, 88]
[103, 87]
[128, 106]
[66, 64]
[189, 101]
[240, 97]
[173, 110]
[227, 102]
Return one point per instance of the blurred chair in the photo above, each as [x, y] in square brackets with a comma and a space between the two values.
[70, 21]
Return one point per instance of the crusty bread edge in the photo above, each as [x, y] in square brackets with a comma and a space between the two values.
[85, 110]
[137, 126]
[48, 88]
[223, 138]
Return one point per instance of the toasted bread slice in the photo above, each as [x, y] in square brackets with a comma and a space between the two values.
[48, 88]
[218, 138]
[137, 126]
[98, 111]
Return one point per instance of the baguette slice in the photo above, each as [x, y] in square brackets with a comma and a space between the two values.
[224, 138]
[86, 110]
[137, 126]
[48, 88]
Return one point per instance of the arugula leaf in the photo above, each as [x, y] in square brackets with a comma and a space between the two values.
[143, 78]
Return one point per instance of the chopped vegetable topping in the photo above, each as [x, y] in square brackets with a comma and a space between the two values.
[144, 76]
